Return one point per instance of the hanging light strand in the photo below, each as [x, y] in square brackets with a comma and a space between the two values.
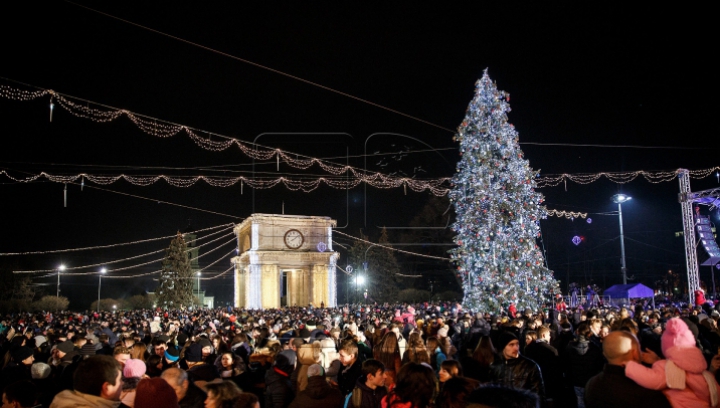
[58, 251]
[123, 260]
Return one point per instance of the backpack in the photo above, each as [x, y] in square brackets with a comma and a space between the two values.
[354, 398]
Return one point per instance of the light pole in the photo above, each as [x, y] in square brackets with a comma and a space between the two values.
[102, 271]
[198, 293]
[359, 280]
[60, 269]
[619, 199]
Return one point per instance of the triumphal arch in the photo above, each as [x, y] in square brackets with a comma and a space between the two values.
[285, 260]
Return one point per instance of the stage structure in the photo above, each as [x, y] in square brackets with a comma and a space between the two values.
[285, 260]
[690, 222]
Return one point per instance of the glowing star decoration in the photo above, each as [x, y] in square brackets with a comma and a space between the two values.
[321, 247]
[589, 220]
[576, 240]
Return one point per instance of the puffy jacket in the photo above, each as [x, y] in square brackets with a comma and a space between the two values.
[685, 382]
[278, 389]
[318, 394]
[518, 372]
[307, 355]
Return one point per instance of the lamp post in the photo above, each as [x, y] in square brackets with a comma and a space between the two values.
[102, 271]
[198, 292]
[60, 269]
[359, 280]
[619, 199]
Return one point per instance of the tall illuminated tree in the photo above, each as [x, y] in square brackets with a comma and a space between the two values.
[497, 211]
[176, 280]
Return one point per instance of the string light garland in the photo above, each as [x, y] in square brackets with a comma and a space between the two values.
[122, 260]
[58, 251]
[654, 177]
[163, 129]
[566, 214]
[391, 248]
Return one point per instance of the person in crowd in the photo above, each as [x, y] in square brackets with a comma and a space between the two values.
[511, 369]
[437, 356]
[387, 351]
[230, 366]
[351, 367]
[221, 394]
[121, 354]
[415, 387]
[307, 355]
[477, 366]
[317, 393]
[18, 368]
[133, 372]
[97, 382]
[415, 350]
[449, 369]
[582, 360]
[139, 352]
[153, 366]
[199, 372]
[370, 388]
[683, 376]
[155, 393]
[546, 357]
[454, 392]
[188, 394]
[279, 390]
[611, 388]
[20, 394]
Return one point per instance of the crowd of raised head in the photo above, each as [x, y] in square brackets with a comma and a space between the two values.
[414, 356]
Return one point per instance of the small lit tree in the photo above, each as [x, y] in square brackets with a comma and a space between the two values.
[175, 287]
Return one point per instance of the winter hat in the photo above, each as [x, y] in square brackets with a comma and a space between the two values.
[677, 334]
[285, 361]
[443, 331]
[193, 353]
[87, 350]
[134, 368]
[204, 342]
[40, 340]
[315, 370]
[21, 353]
[66, 346]
[505, 338]
[40, 371]
[156, 393]
[172, 354]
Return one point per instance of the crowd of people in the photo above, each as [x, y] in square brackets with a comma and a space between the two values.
[369, 356]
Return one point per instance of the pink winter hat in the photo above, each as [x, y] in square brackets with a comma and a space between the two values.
[677, 334]
[134, 368]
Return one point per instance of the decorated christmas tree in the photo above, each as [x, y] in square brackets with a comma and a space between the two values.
[498, 211]
[175, 288]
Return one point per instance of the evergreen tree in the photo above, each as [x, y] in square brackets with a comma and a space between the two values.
[497, 211]
[382, 269]
[176, 283]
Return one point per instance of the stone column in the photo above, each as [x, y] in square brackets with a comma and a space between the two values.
[269, 290]
[253, 287]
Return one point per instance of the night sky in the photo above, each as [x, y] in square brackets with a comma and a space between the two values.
[593, 89]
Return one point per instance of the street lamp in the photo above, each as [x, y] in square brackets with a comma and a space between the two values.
[60, 269]
[198, 293]
[102, 271]
[359, 280]
[619, 199]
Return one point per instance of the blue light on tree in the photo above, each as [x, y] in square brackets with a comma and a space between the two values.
[576, 240]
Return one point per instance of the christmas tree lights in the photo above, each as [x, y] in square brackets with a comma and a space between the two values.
[498, 211]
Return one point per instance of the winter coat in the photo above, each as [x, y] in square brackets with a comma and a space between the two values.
[546, 357]
[682, 378]
[307, 355]
[318, 394]
[74, 399]
[348, 376]
[520, 372]
[278, 389]
[582, 361]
